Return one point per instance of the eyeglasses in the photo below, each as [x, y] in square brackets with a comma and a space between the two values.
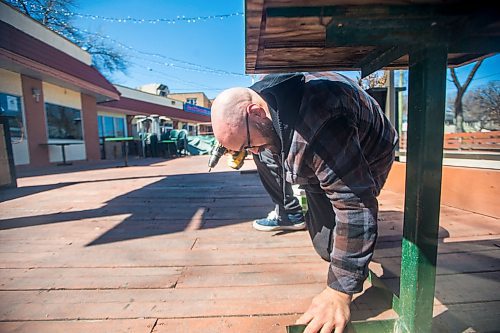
[248, 145]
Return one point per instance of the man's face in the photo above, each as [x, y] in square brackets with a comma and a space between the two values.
[241, 122]
[254, 134]
[262, 136]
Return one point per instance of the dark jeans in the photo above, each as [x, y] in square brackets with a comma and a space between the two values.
[269, 169]
[320, 216]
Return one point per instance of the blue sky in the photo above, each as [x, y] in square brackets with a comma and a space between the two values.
[189, 52]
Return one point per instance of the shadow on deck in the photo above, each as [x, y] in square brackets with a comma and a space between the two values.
[168, 247]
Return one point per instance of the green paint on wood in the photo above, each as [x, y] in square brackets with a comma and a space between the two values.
[427, 93]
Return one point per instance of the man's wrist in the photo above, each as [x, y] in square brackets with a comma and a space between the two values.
[346, 298]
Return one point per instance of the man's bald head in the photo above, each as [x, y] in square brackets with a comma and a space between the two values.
[228, 114]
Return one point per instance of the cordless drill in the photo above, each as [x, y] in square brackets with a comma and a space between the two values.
[217, 151]
[235, 159]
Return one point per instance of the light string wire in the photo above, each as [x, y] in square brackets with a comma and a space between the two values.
[161, 74]
[188, 65]
[194, 67]
[129, 19]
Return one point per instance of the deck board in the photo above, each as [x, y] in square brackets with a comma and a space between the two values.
[94, 326]
[168, 247]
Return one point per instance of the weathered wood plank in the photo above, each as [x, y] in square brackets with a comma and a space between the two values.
[84, 278]
[94, 326]
[268, 324]
[449, 263]
[460, 288]
[467, 317]
[156, 303]
[113, 256]
[253, 275]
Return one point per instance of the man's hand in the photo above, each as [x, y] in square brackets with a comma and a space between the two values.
[329, 310]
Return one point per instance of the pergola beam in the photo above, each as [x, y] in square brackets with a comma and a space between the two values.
[418, 12]
[477, 45]
[380, 58]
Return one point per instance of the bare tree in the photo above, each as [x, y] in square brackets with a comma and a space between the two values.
[450, 109]
[107, 59]
[459, 111]
[483, 105]
[57, 15]
[377, 79]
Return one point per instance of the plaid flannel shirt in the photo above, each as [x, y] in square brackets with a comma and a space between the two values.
[341, 142]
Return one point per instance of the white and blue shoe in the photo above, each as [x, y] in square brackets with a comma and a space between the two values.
[273, 223]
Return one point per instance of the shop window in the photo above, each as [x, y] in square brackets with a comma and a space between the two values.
[111, 127]
[100, 127]
[119, 127]
[10, 107]
[63, 122]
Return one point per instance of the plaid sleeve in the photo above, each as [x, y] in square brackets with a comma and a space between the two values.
[345, 176]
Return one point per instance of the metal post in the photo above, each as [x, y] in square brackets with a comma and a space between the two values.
[63, 154]
[426, 109]
[126, 152]
[390, 104]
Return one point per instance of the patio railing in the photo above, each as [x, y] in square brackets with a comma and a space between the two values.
[475, 141]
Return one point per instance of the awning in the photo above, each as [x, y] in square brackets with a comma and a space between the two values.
[137, 107]
[27, 55]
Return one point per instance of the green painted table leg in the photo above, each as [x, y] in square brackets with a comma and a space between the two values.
[375, 326]
[295, 328]
[426, 102]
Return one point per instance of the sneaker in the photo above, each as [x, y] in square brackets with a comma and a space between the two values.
[272, 223]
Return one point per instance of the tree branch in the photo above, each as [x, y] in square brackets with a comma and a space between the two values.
[455, 79]
[25, 8]
[472, 73]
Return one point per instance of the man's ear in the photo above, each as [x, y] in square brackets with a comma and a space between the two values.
[256, 110]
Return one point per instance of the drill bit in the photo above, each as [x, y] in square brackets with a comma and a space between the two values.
[215, 156]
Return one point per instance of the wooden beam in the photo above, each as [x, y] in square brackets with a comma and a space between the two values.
[370, 32]
[253, 29]
[389, 25]
[380, 58]
[476, 45]
[374, 11]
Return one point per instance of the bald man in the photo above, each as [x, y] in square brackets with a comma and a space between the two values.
[332, 138]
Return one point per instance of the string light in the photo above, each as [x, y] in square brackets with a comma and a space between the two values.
[128, 19]
[168, 64]
[175, 78]
[154, 21]
[192, 66]
[171, 62]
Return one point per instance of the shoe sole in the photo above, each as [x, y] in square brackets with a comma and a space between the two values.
[295, 227]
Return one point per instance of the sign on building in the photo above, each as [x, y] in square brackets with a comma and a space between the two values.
[196, 109]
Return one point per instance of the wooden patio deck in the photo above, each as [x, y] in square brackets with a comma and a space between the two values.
[168, 247]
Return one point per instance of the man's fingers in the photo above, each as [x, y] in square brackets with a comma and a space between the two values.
[313, 327]
[304, 319]
[339, 329]
[327, 328]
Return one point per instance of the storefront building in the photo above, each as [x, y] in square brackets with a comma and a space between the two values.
[48, 93]
[135, 104]
[61, 109]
